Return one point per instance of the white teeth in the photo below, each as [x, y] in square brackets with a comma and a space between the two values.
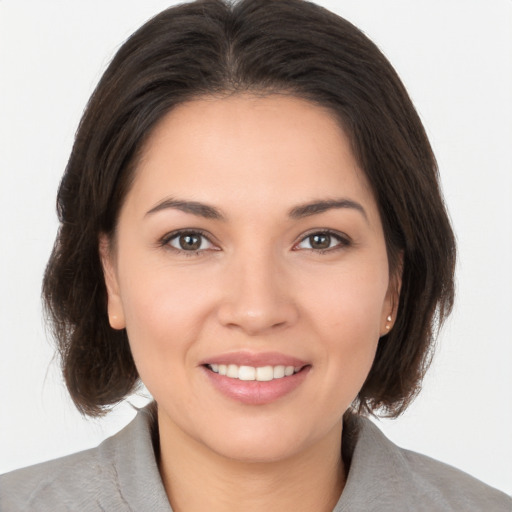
[260, 373]
[247, 373]
[289, 370]
[232, 371]
[264, 373]
[278, 372]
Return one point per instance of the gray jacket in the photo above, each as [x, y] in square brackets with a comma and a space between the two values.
[121, 474]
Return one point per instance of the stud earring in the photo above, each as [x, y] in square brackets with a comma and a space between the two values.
[389, 319]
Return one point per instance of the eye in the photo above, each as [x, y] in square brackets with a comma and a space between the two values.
[188, 241]
[322, 241]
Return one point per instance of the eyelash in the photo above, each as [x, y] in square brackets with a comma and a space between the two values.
[165, 241]
[343, 241]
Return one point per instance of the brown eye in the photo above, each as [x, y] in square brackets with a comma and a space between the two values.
[189, 242]
[323, 241]
[320, 241]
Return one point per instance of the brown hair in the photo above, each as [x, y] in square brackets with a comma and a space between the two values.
[212, 47]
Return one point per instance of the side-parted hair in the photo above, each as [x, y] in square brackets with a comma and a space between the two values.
[216, 47]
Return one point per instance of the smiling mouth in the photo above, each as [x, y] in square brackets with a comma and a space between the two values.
[254, 373]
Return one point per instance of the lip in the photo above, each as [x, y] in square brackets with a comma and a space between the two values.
[255, 359]
[256, 392]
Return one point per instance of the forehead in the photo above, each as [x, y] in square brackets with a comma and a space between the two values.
[266, 150]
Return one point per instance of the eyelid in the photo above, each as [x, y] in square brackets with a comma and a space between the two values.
[343, 239]
[164, 240]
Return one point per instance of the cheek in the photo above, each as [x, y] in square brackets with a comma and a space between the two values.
[164, 310]
[346, 318]
[349, 303]
[157, 295]
[351, 331]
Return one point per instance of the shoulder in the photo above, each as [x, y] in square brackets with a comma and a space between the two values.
[450, 488]
[384, 477]
[108, 477]
[69, 481]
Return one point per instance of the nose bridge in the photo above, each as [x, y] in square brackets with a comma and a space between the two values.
[257, 297]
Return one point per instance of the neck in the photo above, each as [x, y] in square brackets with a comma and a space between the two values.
[197, 479]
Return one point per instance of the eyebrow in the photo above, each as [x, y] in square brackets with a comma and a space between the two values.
[314, 208]
[193, 207]
[298, 212]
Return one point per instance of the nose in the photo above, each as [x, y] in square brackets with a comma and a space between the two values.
[258, 297]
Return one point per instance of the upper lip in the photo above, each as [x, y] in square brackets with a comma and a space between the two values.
[255, 359]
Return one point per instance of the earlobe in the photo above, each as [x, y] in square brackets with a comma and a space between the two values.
[390, 310]
[389, 319]
[115, 306]
[389, 313]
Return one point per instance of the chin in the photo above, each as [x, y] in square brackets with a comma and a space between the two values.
[260, 450]
[267, 441]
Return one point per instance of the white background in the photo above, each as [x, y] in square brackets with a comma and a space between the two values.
[455, 58]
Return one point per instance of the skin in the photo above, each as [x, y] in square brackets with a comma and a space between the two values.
[258, 283]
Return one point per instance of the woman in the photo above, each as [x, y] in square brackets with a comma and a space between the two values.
[251, 223]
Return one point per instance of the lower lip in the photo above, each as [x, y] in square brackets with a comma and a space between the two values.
[254, 392]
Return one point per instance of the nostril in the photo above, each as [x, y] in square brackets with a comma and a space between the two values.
[255, 321]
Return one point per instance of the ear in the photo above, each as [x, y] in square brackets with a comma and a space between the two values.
[390, 308]
[115, 306]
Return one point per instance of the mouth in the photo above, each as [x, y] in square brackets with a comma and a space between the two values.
[254, 373]
[256, 379]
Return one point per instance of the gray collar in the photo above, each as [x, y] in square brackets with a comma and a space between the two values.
[382, 477]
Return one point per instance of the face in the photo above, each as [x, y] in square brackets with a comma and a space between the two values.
[250, 272]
